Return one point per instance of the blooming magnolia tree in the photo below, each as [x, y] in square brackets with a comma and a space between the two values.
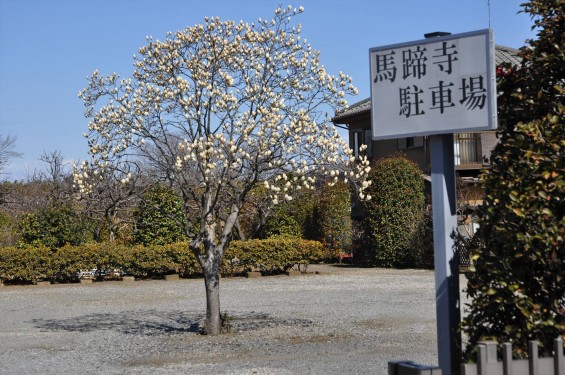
[226, 106]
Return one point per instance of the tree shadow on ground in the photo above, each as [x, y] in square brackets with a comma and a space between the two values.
[154, 323]
[148, 323]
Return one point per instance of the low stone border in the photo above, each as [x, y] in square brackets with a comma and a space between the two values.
[293, 273]
[255, 273]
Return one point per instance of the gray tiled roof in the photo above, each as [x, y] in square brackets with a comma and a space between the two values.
[355, 109]
[502, 54]
[506, 54]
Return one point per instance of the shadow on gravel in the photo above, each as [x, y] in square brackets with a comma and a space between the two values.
[153, 323]
[146, 323]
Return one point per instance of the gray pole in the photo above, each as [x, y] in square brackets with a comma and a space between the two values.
[444, 205]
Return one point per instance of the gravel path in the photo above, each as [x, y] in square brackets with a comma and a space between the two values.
[343, 321]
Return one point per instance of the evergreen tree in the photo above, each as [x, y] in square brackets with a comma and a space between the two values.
[54, 227]
[396, 212]
[518, 287]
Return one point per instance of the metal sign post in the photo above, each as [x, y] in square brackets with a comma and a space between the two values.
[446, 263]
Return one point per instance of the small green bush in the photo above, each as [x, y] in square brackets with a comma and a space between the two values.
[323, 215]
[158, 260]
[7, 229]
[25, 266]
[160, 218]
[53, 227]
[186, 264]
[282, 224]
[335, 218]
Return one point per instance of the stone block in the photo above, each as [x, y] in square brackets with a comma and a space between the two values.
[253, 274]
[174, 277]
[43, 283]
[86, 281]
[128, 278]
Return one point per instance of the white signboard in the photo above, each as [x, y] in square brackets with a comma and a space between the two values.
[438, 85]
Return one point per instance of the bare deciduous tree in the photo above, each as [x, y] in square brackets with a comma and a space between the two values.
[7, 152]
[109, 195]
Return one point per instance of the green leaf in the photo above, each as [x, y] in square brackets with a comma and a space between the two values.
[518, 212]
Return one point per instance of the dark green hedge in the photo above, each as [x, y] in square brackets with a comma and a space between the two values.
[30, 265]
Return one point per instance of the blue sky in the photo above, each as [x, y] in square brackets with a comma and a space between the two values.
[48, 47]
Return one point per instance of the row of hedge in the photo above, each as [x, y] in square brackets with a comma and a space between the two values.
[30, 265]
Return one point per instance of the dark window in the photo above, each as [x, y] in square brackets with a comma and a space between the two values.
[361, 137]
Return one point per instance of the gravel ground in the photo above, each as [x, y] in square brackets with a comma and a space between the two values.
[342, 321]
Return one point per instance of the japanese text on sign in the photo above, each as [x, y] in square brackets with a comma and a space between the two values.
[433, 86]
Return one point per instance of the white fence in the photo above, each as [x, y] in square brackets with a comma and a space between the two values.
[488, 364]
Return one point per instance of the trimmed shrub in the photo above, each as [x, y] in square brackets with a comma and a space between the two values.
[274, 255]
[148, 261]
[104, 257]
[24, 266]
[158, 260]
[29, 265]
[395, 219]
[186, 264]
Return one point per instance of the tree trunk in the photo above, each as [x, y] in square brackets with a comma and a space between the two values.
[213, 324]
[240, 233]
[210, 262]
[111, 235]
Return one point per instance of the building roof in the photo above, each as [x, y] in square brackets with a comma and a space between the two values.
[362, 107]
[503, 54]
